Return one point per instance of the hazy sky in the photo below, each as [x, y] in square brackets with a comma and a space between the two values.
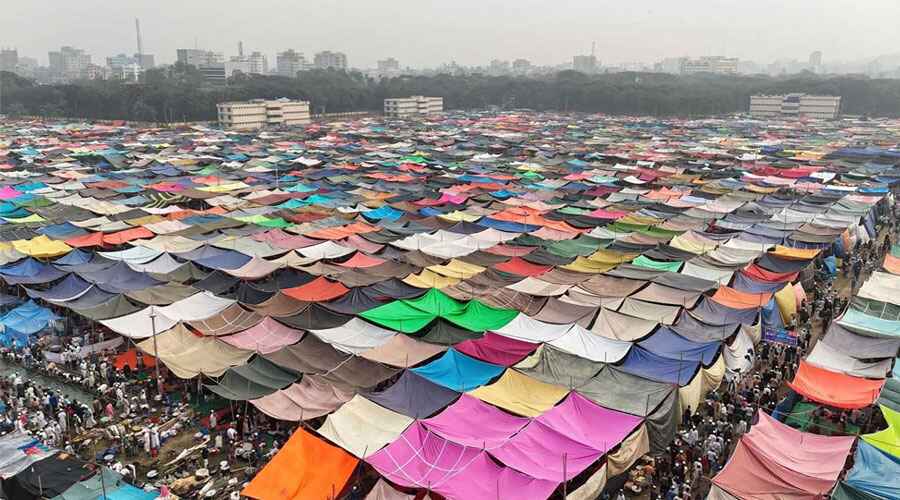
[422, 33]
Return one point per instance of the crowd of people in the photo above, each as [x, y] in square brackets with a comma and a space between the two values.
[709, 434]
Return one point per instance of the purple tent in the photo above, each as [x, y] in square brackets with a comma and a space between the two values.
[422, 459]
[496, 349]
[471, 422]
[543, 453]
[583, 420]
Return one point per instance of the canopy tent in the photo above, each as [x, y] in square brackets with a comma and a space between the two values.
[305, 467]
[874, 472]
[774, 460]
[459, 372]
[520, 394]
[362, 427]
[833, 388]
[188, 355]
[310, 398]
[423, 459]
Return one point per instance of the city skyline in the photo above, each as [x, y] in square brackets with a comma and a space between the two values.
[369, 33]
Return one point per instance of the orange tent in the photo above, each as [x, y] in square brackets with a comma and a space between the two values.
[319, 289]
[835, 389]
[737, 299]
[891, 264]
[306, 468]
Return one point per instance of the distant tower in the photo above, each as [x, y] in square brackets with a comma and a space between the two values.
[815, 60]
[140, 43]
[240, 49]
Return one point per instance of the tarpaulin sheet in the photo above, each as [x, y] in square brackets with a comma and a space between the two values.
[188, 355]
[521, 394]
[646, 364]
[310, 398]
[825, 356]
[777, 461]
[859, 346]
[403, 351]
[618, 326]
[554, 366]
[541, 452]
[497, 349]
[710, 311]
[526, 328]
[661, 313]
[362, 427]
[46, 478]
[413, 396]
[384, 491]
[833, 388]
[304, 468]
[668, 344]
[580, 419]
[423, 459]
[471, 422]
[615, 389]
[18, 451]
[28, 318]
[874, 472]
[871, 326]
[732, 298]
[887, 440]
[254, 380]
[355, 336]
[662, 294]
[459, 372]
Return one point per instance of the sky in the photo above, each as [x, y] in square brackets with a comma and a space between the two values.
[426, 33]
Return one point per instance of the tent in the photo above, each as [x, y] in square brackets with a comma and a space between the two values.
[304, 468]
[776, 461]
[834, 388]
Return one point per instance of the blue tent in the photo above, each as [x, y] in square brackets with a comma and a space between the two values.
[644, 363]
[874, 472]
[668, 344]
[459, 372]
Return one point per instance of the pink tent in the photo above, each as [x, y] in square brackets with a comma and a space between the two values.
[266, 337]
[471, 422]
[8, 192]
[777, 461]
[422, 459]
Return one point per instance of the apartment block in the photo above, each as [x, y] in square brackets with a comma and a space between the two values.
[260, 113]
[799, 105]
[404, 107]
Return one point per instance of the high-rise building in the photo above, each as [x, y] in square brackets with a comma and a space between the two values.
[259, 113]
[585, 64]
[27, 67]
[289, 63]
[416, 105]
[330, 60]
[254, 64]
[499, 67]
[198, 58]
[68, 63]
[815, 61]
[796, 105]
[9, 60]
[710, 64]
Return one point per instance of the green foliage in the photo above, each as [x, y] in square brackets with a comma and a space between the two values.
[179, 93]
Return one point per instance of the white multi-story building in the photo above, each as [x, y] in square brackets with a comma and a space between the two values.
[289, 63]
[417, 105]
[259, 113]
[330, 60]
[805, 105]
[711, 64]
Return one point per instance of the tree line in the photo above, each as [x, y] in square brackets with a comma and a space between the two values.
[179, 93]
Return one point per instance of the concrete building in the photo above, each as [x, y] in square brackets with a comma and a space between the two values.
[815, 61]
[389, 65]
[797, 105]
[145, 61]
[405, 107]
[254, 64]
[260, 113]
[9, 60]
[711, 64]
[198, 58]
[213, 73]
[330, 60]
[68, 63]
[585, 64]
[289, 63]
